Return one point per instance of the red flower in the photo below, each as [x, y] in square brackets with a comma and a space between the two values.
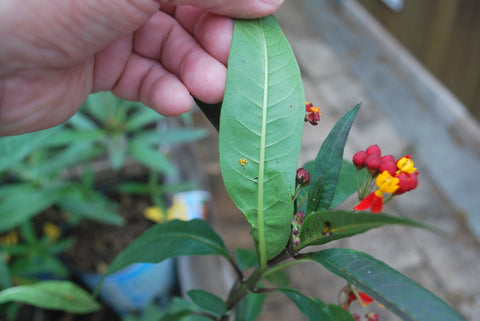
[374, 201]
[365, 298]
[312, 114]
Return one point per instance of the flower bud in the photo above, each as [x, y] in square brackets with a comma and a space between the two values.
[372, 163]
[359, 159]
[374, 150]
[388, 166]
[303, 177]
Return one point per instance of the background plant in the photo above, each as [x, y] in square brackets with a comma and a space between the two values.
[58, 168]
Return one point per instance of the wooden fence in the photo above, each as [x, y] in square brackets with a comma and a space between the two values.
[445, 36]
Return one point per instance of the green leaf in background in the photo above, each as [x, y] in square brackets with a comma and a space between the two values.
[72, 155]
[55, 295]
[69, 136]
[250, 307]
[5, 279]
[20, 202]
[404, 297]
[88, 204]
[14, 148]
[328, 164]
[208, 302]
[325, 226]
[151, 157]
[117, 149]
[261, 128]
[316, 310]
[171, 239]
[347, 183]
[246, 258]
[143, 117]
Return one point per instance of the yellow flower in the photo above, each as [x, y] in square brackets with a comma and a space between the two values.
[10, 238]
[51, 231]
[154, 213]
[386, 182]
[406, 165]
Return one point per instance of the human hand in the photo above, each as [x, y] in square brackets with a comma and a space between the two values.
[55, 53]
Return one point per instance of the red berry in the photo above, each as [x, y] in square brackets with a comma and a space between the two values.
[359, 159]
[374, 150]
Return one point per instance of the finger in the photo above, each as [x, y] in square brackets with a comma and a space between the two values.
[233, 8]
[212, 31]
[203, 75]
[147, 81]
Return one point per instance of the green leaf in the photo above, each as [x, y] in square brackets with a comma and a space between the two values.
[261, 124]
[56, 295]
[250, 307]
[316, 310]
[20, 202]
[328, 164]
[171, 239]
[117, 149]
[72, 155]
[82, 122]
[151, 157]
[143, 117]
[5, 279]
[246, 258]
[14, 149]
[39, 265]
[407, 299]
[325, 226]
[208, 302]
[68, 136]
[347, 183]
[89, 204]
[181, 135]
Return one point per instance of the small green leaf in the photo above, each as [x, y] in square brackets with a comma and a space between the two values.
[13, 149]
[171, 239]
[20, 202]
[117, 148]
[5, 279]
[261, 128]
[208, 302]
[151, 157]
[56, 295]
[399, 294]
[246, 258]
[181, 135]
[89, 204]
[143, 117]
[250, 307]
[328, 164]
[69, 136]
[316, 310]
[325, 226]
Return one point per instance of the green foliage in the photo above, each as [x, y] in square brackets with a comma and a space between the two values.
[261, 124]
[328, 164]
[404, 297]
[56, 295]
[326, 226]
[171, 239]
[316, 310]
[208, 302]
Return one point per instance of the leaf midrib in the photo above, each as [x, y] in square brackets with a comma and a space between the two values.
[261, 165]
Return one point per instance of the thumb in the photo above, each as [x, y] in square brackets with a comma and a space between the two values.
[233, 8]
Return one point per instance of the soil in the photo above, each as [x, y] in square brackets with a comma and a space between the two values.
[96, 245]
